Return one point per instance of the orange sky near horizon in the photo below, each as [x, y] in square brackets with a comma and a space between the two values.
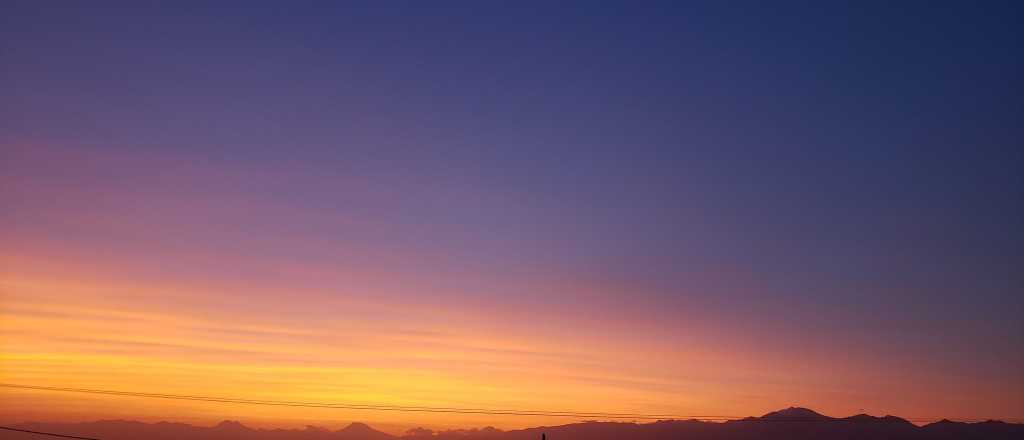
[92, 324]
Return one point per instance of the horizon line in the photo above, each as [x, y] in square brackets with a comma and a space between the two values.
[611, 416]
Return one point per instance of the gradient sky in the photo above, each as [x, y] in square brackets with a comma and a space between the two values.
[684, 208]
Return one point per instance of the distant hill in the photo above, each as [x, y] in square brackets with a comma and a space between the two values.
[794, 413]
[790, 424]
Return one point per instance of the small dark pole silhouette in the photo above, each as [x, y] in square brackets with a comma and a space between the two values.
[543, 436]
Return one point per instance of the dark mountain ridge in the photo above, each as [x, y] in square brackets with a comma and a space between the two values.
[790, 423]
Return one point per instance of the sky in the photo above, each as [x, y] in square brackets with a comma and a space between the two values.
[684, 208]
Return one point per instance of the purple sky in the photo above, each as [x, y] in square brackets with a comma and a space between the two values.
[799, 180]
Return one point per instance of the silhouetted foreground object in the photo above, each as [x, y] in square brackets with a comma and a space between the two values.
[788, 424]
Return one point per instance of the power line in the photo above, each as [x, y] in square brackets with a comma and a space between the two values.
[353, 405]
[360, 406]
[433, 409]
[47, 433]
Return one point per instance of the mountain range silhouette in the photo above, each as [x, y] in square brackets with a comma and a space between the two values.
[791, 423]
